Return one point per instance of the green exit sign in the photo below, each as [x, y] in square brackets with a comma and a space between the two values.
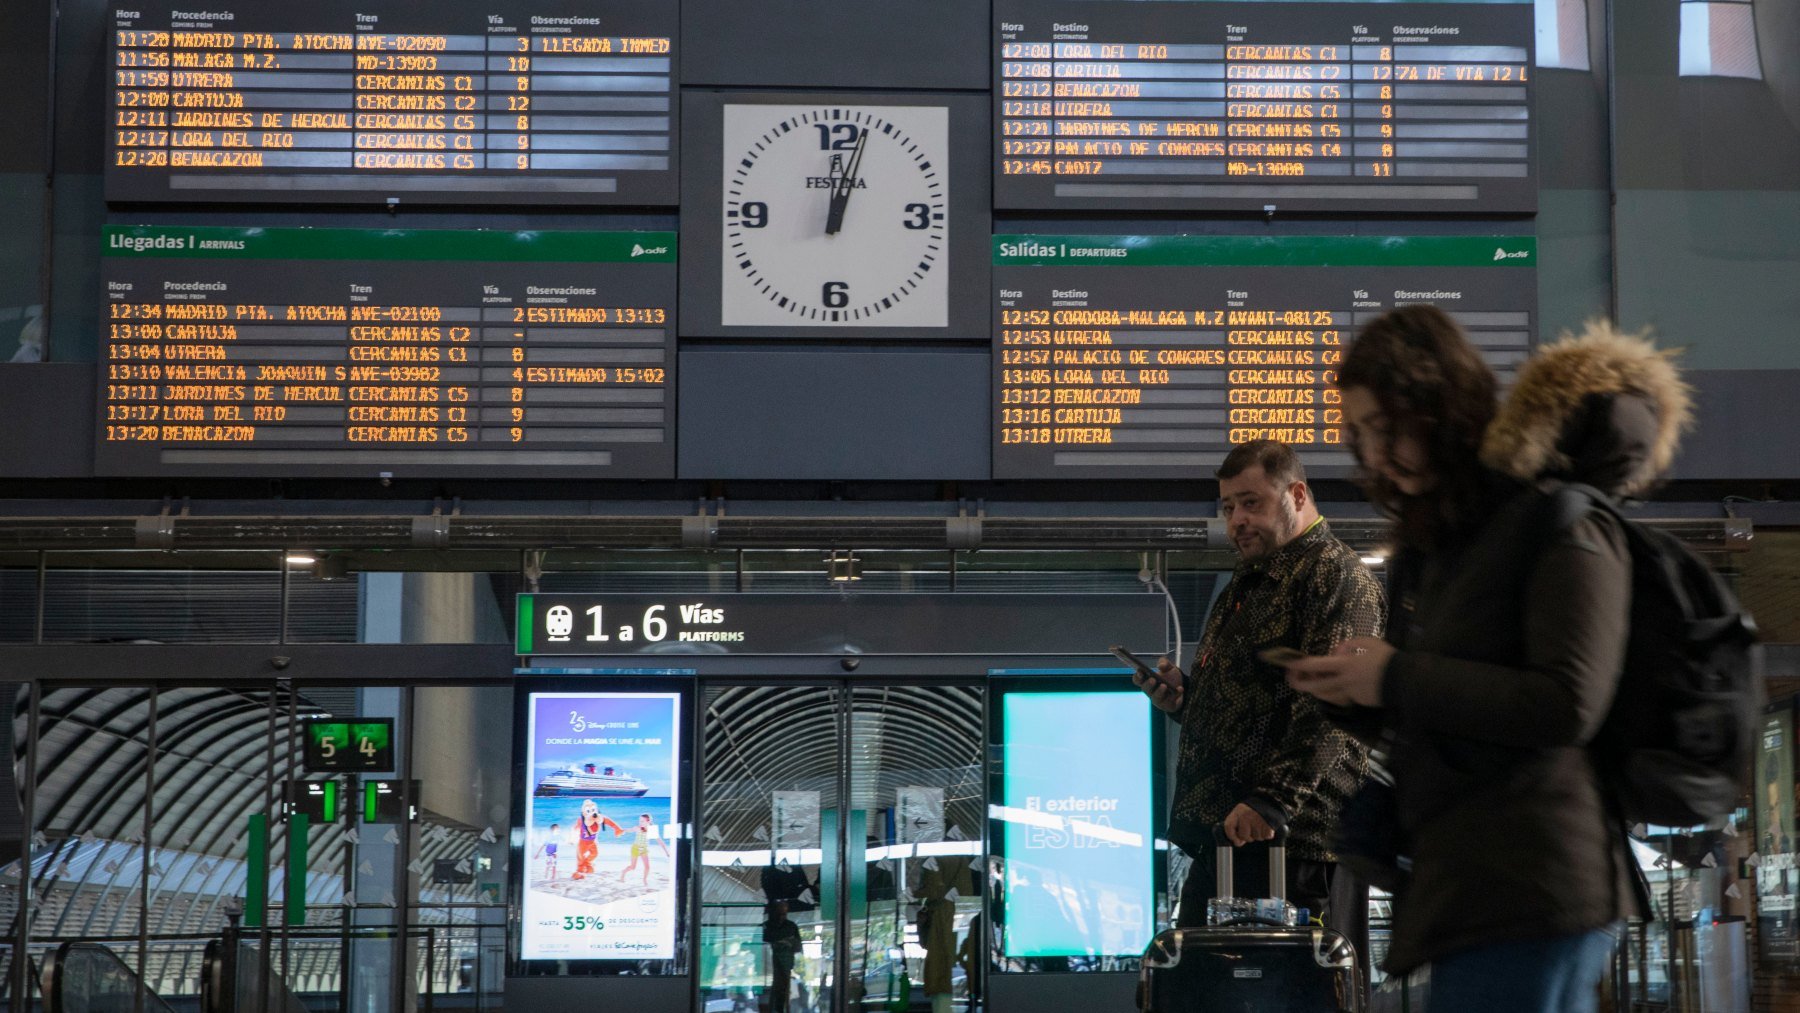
[359, 744]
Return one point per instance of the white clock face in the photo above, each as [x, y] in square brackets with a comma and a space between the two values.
[835, 216]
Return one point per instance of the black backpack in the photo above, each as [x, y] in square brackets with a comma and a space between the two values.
[1676, 747]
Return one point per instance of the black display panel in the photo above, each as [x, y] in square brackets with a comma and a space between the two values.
[1151, 356]
[866, 623]
[556, 102]
[1195, 105]
[343, 352]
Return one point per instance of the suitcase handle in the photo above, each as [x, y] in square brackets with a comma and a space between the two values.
[1224, 884]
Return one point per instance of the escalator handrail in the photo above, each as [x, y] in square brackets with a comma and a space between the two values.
[51, 980]
[212, 978]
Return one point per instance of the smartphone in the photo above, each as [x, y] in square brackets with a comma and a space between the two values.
[1144, 669]
[1282, 656]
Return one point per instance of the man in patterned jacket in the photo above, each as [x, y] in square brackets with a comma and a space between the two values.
[1254, 754]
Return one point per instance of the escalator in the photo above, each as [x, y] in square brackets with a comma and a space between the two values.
[234, 978]
[80, 977]
[90, 978]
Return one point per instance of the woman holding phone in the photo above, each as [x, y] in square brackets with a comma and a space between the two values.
[1503, 652]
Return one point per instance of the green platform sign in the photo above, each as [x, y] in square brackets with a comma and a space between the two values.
[359, 744]
[321, 802]
[381, 802]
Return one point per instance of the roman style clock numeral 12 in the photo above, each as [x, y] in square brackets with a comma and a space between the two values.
[835, 216]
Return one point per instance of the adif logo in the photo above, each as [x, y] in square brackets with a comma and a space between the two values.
[645, 251]
[1501, 254]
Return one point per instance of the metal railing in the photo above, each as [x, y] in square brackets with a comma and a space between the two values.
[306, 970]
[444, 966]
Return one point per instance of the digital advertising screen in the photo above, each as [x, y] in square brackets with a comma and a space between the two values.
[601, 827]
[1777, 935]
[1077, 810]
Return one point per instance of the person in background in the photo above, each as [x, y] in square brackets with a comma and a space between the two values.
[1254, 754]
[783, 937]
[969, 955]
[1504, 650]
[937, 884]
[791, 885]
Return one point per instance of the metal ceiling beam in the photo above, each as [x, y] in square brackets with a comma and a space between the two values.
[450, 532]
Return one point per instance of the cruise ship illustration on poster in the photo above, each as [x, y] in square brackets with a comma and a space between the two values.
[591, 780]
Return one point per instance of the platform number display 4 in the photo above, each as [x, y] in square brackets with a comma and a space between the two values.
[357, 744]
[835, 216]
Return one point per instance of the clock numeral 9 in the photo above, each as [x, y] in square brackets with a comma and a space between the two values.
[754, 214]
[837, 137]
[835, 295]
[921, 216]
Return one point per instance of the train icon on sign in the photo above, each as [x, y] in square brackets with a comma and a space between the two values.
[559, 622]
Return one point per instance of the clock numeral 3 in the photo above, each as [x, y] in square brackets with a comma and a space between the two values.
[837, 137]
[754, 214]
[920, 216]
[835, 295]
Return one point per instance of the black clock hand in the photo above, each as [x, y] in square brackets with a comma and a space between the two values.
[834, 217]
[840, 193]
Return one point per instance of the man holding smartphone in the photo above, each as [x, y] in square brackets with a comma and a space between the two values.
[1254, 754]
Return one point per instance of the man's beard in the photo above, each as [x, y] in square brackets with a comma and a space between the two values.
[1287, 521]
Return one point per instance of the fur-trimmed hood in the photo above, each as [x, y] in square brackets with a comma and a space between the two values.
[1603, 407]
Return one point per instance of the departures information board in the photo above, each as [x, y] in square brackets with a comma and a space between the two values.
[450, 102]
[1198, 105]
[343, 352]
[1151, 356]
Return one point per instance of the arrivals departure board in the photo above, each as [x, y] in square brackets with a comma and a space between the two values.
[1197, 105]
[549, 102]
[386, 353]
[1150, 356]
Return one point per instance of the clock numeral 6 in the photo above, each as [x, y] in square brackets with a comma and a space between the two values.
[835, 295]
[754, 214]
[920, 216]
[837, 137]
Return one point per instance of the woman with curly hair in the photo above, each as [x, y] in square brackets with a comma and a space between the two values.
[1510, 866]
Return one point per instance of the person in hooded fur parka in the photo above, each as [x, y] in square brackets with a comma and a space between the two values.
[1510, 868]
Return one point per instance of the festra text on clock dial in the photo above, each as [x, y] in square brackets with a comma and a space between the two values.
[835, 216]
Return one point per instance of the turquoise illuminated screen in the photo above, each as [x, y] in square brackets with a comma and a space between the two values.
[1078, 799]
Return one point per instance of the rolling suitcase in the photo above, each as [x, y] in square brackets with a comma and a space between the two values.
[1252, 958]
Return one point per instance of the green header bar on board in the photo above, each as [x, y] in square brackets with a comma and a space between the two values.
[388, 244]
[1265, 251]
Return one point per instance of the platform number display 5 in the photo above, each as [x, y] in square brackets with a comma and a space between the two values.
[356, 744]
[835, 215]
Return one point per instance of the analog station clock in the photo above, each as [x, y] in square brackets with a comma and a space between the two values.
[835, 214]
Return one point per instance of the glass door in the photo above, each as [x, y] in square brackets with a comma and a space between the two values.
[841, 847]
[915, 850]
